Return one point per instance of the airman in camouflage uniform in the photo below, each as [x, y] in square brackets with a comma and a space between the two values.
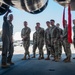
[66, 44]
[48, 40]
[60, 39]
[34, 42]
[74, 34]
[54, 40]
[40, 40]
[25, 34]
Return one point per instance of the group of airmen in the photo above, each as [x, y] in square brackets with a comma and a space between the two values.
[53, 38]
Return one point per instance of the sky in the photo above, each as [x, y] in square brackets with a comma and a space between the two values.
[52, 11]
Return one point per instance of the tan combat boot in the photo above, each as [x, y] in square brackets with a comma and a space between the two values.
[28, 56]
[56, 59]
[39, 58]
[42, 57]
[5, 65]
[33, 55]
[67, 60]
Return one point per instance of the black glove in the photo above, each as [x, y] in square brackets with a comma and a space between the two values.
[9, 11]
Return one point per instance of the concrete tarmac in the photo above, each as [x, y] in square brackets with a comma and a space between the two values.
[38, 67]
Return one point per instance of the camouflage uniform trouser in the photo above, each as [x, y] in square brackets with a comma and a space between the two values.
[55, 46]
[60, 47]
[26, 45]
[40, 47]
[48, 47]
[7, 51]
[52, 47]
[34, 48]
[74, 42]
[67, 47]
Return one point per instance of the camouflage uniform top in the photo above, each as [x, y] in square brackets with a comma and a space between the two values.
[65, 32]
[34, 38]
[26, 33]
[74, 31]
[54, 32]
[47, 34]
[60, 32]
[40, 34]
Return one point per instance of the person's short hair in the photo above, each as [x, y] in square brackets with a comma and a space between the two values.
[65, 20]
[73, 19]
[47, 22]
[57, 24]
[52, 20]
[25, 21]
[37, 23]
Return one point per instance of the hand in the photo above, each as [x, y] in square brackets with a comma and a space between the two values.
[9, 11]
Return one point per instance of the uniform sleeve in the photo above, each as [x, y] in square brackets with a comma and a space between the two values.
[5, 18]
[42, 32]
[33, 37]
[45, 34]
[4, 29]
[66, 32]
[57, 35]
[29, 30]
[12, 29]
[22, 33]
[49, 36]
[61, 32]
[73, 28]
